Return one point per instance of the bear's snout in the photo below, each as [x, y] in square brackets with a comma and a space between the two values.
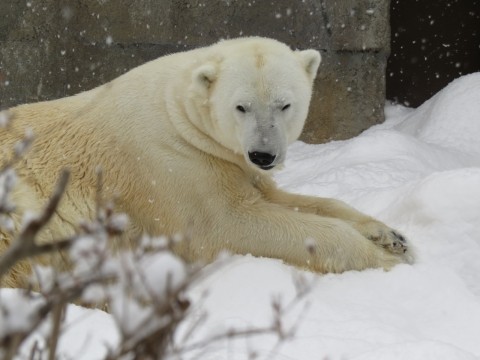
[263, 160]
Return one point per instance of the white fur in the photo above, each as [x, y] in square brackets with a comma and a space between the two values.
[174, 148]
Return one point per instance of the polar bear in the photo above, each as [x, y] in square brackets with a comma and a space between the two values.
[188, 143]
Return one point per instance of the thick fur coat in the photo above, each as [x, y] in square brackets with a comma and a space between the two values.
[187, 143]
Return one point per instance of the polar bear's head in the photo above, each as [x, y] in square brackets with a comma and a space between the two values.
[258, 94]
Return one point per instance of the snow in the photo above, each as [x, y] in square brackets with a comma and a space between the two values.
[89, 334]
[17, 312]
[420, 173]
[4, 118]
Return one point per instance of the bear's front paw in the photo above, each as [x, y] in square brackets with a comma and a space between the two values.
[391, 240]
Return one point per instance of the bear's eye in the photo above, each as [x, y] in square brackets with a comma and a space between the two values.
[285, 107]
[241, 109]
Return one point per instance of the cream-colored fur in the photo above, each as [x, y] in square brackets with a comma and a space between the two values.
[174, 147]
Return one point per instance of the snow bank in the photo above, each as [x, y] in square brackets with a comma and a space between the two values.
[450, 118]
[420, 173]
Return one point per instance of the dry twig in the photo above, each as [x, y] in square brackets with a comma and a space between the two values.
[24, 246]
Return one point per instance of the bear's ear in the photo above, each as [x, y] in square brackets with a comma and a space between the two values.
[311, 61]
[204, 75]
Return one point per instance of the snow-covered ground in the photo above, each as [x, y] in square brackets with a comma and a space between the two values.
[420, 173]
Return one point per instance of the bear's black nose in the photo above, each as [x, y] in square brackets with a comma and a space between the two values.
[262, 160]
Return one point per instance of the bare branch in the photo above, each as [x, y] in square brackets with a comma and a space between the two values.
[57, 315]
[25, 246]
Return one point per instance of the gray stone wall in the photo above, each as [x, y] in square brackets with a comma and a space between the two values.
[55, 48]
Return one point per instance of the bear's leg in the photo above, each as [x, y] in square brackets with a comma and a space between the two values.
[305, 240]
[372, 229]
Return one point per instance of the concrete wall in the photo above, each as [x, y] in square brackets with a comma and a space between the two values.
[54, 48]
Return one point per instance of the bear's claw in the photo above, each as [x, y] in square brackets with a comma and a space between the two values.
[391, 241]
[385, 237]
